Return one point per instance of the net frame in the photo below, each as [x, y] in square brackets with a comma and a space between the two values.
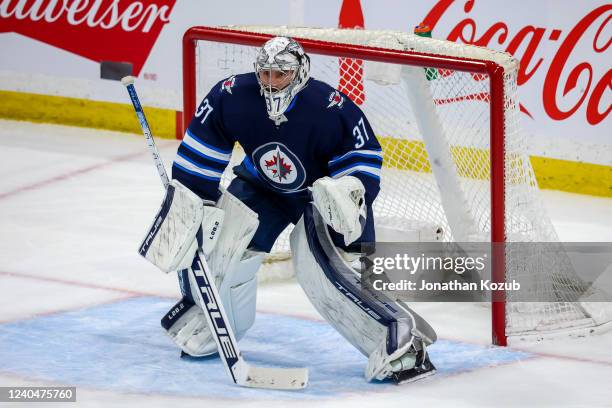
[494, 69]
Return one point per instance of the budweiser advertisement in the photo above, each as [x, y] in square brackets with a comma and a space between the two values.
[100, 30]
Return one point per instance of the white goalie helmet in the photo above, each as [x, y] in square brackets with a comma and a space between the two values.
[282, 69]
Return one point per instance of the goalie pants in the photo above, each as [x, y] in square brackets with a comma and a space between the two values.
[276, 211]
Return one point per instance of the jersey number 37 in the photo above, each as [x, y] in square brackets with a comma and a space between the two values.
[205, 109]
[360, 133]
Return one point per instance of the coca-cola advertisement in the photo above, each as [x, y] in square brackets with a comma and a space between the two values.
[559, 75]
[565, 77]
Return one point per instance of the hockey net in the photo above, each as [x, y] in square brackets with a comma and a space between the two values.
[455, 161]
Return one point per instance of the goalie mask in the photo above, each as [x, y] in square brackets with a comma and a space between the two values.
[282, 69]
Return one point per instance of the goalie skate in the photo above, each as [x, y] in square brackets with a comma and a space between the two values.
[423, 368]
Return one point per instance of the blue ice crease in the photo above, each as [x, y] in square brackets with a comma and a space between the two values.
[121, 347]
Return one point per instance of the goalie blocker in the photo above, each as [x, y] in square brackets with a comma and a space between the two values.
[183, 224]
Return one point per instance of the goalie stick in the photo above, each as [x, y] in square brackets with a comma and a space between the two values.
[242, 373]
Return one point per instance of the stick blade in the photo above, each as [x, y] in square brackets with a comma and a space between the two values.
[273, 378]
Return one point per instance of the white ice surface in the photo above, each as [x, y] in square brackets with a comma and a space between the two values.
[74, 204]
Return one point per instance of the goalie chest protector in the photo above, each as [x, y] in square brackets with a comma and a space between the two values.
[284, 156]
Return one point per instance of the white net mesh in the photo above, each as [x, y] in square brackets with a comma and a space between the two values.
[434, 127]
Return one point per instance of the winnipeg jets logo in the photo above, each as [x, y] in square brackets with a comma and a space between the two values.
[336, 99]
[280, 167]
[228, 84]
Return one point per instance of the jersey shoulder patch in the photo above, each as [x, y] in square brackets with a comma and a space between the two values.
[327, 97]
[335, 99]
[228, 84]
[235, 82]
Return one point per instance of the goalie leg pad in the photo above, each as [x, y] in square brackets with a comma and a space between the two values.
[185, 322]
[383, 330]
[242, 294]
[234, 270]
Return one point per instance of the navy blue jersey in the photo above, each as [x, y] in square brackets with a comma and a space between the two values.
[322, 133]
